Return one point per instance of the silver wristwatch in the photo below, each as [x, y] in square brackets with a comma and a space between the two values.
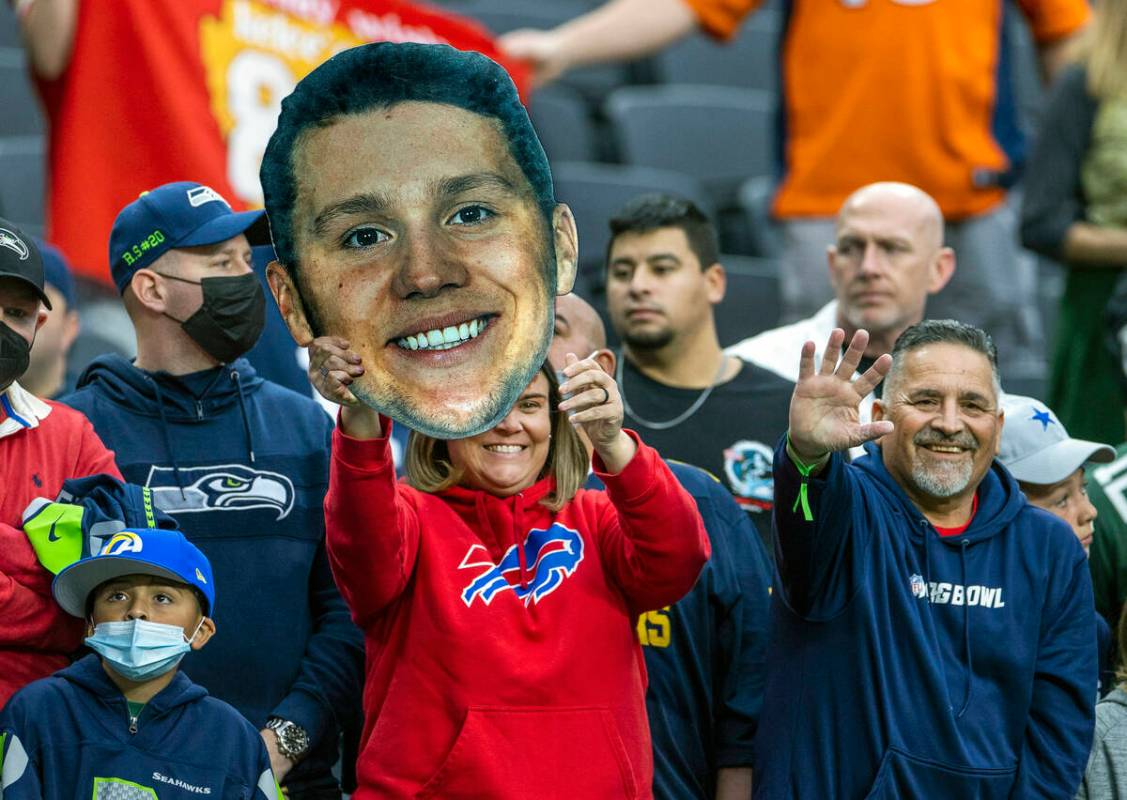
[293, 741]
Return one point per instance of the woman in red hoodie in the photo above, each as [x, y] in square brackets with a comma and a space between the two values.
[498, 599]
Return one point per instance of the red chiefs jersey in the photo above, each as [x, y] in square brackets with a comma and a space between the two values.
[191, 90]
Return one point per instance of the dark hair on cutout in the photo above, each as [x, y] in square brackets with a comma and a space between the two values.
[648, 212]
[946, 331]
[378, 76]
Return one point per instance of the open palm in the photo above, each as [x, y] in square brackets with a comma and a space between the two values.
[824, 415]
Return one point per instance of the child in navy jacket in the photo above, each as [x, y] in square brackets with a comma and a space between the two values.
[126, 724]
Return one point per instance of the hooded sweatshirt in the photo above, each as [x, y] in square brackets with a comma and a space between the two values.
[242, 464]
[42, 444]
[502, 659]
[909, 665]
[70, 736]
[1106, 776]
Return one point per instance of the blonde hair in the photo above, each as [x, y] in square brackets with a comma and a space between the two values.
[430, 469]
[1102, 48]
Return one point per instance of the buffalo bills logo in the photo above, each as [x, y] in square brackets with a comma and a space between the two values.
[549, 556]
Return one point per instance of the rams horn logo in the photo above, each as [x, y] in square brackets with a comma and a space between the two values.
[549, 556]
[222, 487]
[14, 243]
[124, 542]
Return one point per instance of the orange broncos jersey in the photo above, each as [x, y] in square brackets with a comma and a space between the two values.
[191, 90]
[906, 90]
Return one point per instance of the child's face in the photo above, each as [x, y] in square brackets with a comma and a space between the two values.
[1068, 499]
[154, 599]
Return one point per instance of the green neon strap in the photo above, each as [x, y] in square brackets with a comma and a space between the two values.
[150, 518]
[804, 470]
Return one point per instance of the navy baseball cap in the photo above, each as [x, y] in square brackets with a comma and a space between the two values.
[136, 551]
[56, 271]
[181, 214]
[20, 259]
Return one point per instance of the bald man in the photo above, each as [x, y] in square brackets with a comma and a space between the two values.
[888, 258]
[705, 655]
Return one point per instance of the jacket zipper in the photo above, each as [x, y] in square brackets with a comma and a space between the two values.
[133, 723]
[199, 410]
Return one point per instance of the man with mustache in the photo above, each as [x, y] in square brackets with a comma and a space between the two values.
[695, 403]
[932, 632]
[888, 257]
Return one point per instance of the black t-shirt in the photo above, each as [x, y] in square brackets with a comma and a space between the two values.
[732, 435]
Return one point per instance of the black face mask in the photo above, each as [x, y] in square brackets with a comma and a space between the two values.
[231, 318]
[15, 355]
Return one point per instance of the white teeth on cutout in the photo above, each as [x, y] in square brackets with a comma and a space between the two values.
[444, 339]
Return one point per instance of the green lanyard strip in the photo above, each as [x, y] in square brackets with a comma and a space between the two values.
[804, 470]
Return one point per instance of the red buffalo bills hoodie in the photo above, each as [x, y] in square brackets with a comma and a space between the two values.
[501, 655]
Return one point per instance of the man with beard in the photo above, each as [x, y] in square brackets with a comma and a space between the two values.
[42, 444]
[240, 462]
[933, 634]
[693, 402]
[413, 215]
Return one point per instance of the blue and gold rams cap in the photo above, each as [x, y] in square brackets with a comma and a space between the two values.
[136, 551]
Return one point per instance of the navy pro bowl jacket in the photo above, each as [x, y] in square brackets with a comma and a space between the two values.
[905, 664]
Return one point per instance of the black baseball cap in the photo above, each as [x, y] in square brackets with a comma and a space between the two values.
[20, 259]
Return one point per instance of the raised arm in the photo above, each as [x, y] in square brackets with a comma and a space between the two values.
[48, 28]
[621, 30]
[814, 503]
[652, 541]
[371, 526]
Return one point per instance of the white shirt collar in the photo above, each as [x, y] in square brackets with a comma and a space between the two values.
[22, 410]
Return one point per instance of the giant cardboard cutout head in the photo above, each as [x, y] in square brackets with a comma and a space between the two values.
[412, 211]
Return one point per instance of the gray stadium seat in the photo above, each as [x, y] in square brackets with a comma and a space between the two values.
[719, 134]
[21, 114]
[563, 122]
[9, 27]
[595, 192]
[755, 198]
[21, 181]
[749, 61]
[752, 302]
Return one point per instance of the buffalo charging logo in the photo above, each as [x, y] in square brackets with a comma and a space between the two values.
[550, 556]
[221, 487]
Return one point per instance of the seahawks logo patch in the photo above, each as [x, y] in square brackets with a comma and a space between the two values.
[220, 487]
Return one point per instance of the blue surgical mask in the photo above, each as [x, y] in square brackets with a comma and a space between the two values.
[139, 649]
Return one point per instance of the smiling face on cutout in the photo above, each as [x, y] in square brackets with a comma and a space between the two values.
[421, 242]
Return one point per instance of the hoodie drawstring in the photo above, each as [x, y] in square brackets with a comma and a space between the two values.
[243, 408]
[966, 634]
[522, 557]
[167, 435]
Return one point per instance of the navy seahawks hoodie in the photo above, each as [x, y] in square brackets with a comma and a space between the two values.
[908, 665]
[243, 466]
[69, 736]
